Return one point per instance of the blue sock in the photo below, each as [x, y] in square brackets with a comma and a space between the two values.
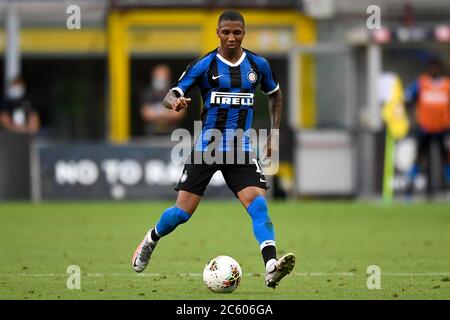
[262, 226]
[447, 173]
[170, 219]
[413, 172]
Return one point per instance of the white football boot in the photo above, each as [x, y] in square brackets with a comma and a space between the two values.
[144, 251]
[279, 269]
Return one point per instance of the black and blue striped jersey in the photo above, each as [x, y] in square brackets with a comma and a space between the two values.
[228, 91]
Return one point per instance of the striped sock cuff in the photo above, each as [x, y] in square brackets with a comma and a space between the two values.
[267, 243]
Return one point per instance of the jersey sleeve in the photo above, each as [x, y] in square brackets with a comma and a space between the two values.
[269, 82]
[188, 78]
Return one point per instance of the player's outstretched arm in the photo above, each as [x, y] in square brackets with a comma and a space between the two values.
[171, 101]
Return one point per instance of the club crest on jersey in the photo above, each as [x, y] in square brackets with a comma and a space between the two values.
[232, 98]
[251, 76]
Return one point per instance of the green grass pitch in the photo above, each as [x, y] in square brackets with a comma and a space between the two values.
[334, 243]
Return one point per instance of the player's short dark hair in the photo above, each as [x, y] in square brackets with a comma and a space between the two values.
[231, 15]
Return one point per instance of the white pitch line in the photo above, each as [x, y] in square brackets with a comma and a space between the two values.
[324, 274]
[412, 274]
[300, 274]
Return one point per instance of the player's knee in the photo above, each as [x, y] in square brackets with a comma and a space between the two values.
[187, 202]
[258, 209]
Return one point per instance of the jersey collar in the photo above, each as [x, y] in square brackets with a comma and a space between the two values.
[232, 64]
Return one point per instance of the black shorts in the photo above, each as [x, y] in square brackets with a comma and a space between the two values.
[425, 141]
[195, 177]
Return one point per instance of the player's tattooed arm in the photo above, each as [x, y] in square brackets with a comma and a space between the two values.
[171, 101]
[275, 110]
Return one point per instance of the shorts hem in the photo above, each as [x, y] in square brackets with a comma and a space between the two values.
[249, 185]
[201, 194]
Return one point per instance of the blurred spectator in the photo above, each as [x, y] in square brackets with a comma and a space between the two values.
[431, 95]
[159, 119]
[16, 112]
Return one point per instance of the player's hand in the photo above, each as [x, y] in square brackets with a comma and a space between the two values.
[180, 103]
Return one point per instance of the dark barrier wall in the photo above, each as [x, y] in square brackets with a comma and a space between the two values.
[14, 166]
[103, 171]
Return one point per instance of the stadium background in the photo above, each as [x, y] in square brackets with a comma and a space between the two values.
[85, 83]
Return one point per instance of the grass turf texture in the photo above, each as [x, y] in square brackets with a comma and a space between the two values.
[334, 244]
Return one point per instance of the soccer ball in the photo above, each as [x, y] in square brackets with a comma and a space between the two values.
[222, 274]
